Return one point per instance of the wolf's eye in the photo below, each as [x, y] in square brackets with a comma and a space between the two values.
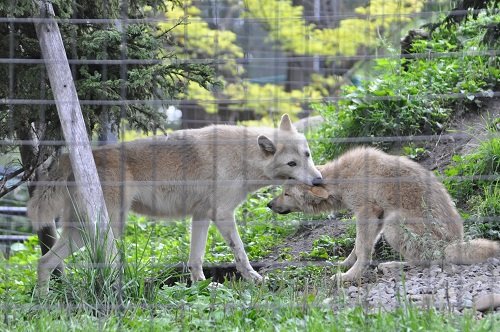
[292, 163]
[308, 154]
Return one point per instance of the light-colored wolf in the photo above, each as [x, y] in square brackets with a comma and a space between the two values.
[393, 196]
[204, 173]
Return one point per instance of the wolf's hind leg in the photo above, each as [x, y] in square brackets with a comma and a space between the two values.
[47, 237]
[398, 232]
[69, 242]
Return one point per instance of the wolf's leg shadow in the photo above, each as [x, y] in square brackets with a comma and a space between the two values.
[368, 229]
[227, 227]
[199, 233]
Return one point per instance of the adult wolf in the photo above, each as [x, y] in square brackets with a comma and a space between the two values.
[393, 196]
[204, 173]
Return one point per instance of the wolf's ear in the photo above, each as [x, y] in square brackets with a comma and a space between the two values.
[320, 192]
[286, 124]
[266, 144]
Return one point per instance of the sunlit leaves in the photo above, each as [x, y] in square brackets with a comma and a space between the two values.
[287, 26]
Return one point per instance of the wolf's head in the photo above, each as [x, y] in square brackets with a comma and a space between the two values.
[300, 198]
[289, 155]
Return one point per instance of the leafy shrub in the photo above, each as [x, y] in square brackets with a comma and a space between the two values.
[415, 152]
[17, 273]
[474, 173]
[417, 100]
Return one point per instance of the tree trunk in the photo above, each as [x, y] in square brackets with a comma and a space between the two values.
[90, 197]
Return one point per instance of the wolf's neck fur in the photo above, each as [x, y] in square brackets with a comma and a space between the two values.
[332, 203]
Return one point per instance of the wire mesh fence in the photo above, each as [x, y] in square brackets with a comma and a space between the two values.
[183, 103]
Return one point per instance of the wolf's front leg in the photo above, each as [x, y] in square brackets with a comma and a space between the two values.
[199, 233]
[227, 227]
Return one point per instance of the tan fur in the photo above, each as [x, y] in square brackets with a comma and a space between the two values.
[204, 173]
[393, 196]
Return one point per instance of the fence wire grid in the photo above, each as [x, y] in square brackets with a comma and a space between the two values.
[150, 72]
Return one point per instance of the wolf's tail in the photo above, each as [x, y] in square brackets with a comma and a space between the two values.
[473, 251]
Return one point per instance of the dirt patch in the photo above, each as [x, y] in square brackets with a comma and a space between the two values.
[302, 240]
[467, 130]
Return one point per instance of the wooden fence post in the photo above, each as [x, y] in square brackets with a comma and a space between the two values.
[90, 195]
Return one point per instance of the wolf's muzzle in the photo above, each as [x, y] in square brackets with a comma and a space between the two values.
[317, 181]
[278, 209]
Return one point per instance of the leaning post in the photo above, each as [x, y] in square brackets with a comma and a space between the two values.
[90, 195]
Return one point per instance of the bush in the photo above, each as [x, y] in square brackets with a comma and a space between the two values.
[420, 99]
[475, 173]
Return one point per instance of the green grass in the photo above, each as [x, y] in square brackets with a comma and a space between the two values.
[292, 304]
[205, 314]
[293, 299]
[327, 247]
[471, 174]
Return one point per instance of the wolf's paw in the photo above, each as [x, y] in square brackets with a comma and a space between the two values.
[215, 285]
[254, 276]
[197, 275]
[340, 278]
[337, 278]
[42, 291]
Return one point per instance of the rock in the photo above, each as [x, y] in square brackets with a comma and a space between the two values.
[453, 289]
[388, 268]
[352, 290]
[327, 301]
[493, 261]
[467, 303]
